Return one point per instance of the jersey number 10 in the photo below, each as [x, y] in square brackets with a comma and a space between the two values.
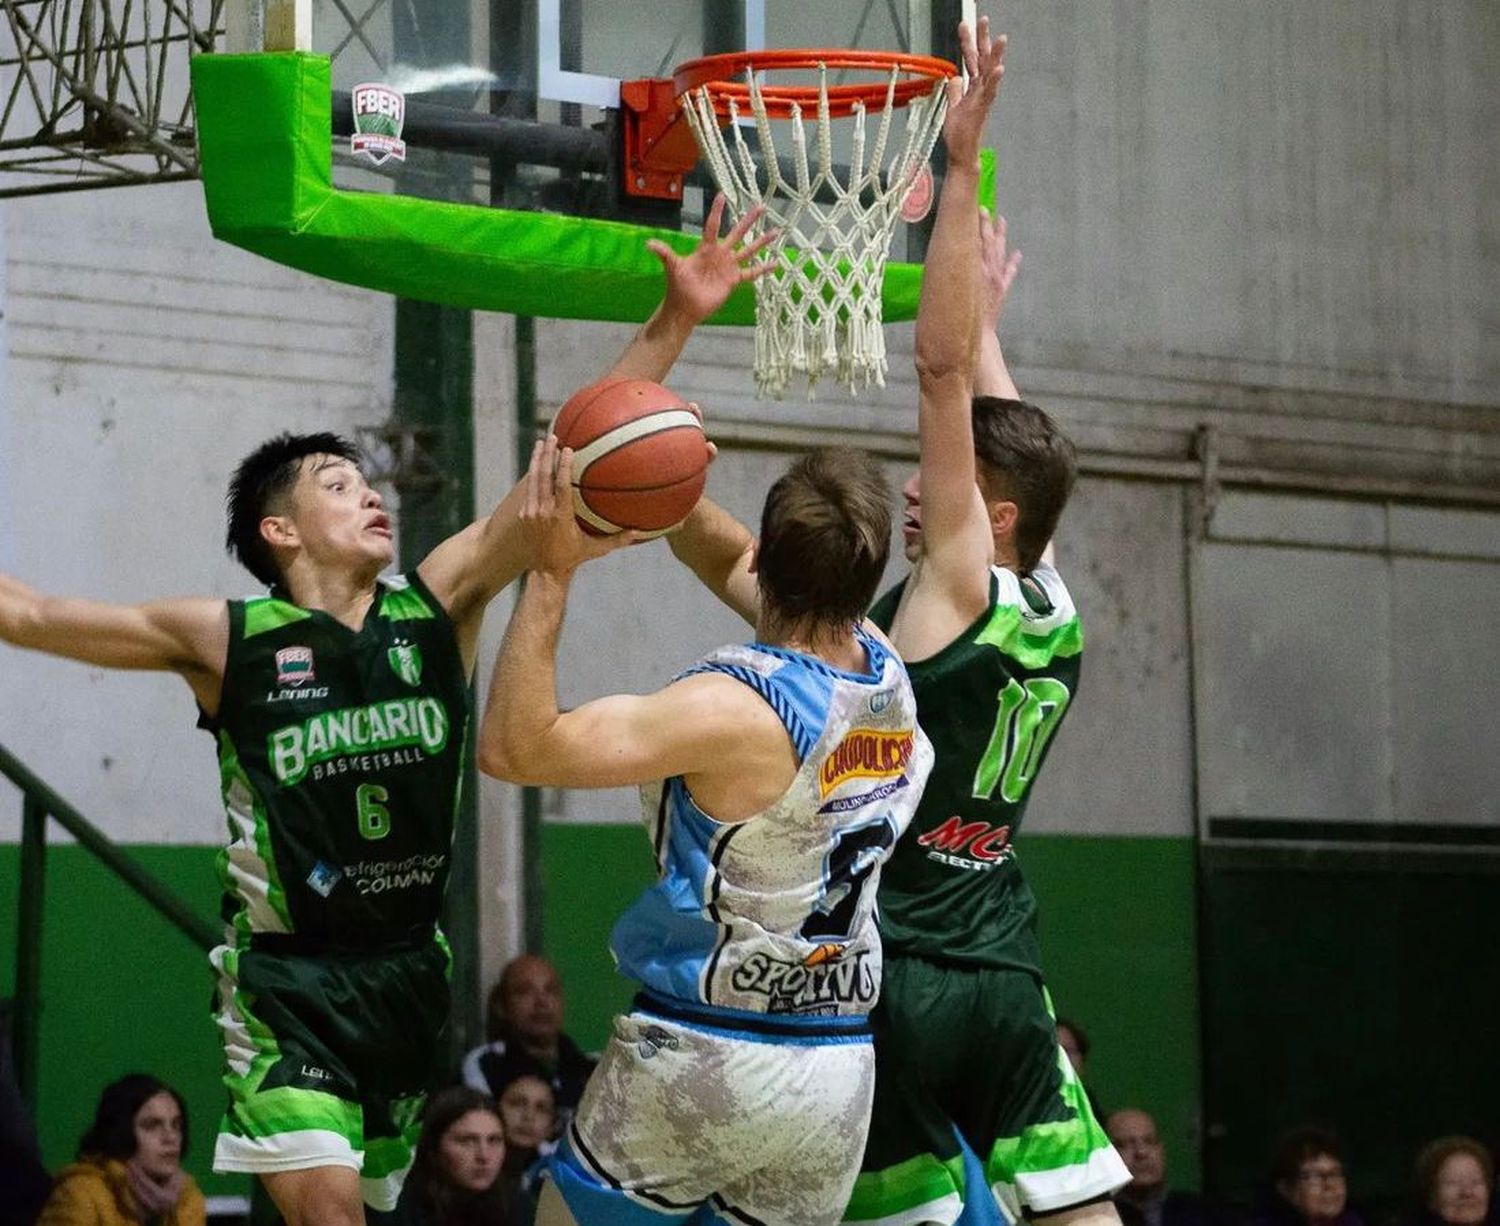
[1026, 720]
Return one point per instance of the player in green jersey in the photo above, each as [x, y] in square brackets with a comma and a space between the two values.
[965, 1040]
[340, 706]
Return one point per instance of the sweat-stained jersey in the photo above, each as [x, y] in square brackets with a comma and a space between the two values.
[991, 702]
[774, 915]
[341, 760]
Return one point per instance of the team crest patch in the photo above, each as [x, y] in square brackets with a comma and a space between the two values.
[406, 662]
[294, 666]
[379, 114]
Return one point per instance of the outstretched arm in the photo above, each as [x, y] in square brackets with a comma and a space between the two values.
[719, 549]
[471, 568]
[698, 284]
[525, 737]
[950, 585]
[998, 266]
[189, 636]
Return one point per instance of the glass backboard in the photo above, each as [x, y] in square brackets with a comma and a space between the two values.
[516, 102]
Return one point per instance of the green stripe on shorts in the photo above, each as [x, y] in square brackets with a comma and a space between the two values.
[1052, 1146]
[268, 1113]
[385, 1155]
[917, 1182]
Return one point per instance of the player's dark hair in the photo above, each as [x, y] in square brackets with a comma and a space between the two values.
[264, 478]
[1024, 458]
[112, 1134]
[441, 1201]
[825, 534]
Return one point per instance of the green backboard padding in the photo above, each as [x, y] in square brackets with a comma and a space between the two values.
[264, 125]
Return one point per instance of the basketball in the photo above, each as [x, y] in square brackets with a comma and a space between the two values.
[639, 456]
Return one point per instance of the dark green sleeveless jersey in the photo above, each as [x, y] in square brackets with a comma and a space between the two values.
[341, 759]
[990, 702]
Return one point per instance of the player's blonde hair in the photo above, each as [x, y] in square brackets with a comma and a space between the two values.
[825, 535]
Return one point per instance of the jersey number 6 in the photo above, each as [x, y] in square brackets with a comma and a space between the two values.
[374, 817]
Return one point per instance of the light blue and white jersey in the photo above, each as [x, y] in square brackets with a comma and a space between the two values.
[775, 914]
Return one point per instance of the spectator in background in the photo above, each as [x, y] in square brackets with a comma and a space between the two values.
[1454, 1180]
[1308, 1182]
[129, 1168]
[1072, 1038]
[524, 1018]
[529, 1111]
[1146, 1199]
[24, 1182]
[455, 1178]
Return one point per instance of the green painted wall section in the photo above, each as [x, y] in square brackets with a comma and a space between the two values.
[1118, 934]
[122, 991]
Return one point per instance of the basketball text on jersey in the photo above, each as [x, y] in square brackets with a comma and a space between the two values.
[395, 724]
[866, 753]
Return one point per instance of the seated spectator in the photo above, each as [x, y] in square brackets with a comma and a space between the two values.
[129, 1167]
[1308, 1182]
[529, 1112]
[524, 1019]
[455, 1177]
[1075, 1044]
[24, 1181]
[1072, 1039]
[1146, 1199]
[1454, 1180]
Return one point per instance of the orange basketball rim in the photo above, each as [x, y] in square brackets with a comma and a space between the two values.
[720, 76]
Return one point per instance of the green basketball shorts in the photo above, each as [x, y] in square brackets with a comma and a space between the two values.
[974, 1048]
[329, 1059]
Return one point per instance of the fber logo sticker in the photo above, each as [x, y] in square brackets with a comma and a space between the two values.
[379, 113]
[865, 753]
[294, 666]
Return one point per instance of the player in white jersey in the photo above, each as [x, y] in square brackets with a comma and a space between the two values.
[780, 775]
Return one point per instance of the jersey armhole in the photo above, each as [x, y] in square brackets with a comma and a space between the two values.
[415, 581]
[796, 727]
[214, 724]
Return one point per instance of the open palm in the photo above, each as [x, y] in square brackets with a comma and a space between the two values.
[699, 283]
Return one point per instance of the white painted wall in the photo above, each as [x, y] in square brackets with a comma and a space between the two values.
[145, 361]
[7, 450]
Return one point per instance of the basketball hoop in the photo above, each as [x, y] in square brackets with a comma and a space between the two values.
[819, 308]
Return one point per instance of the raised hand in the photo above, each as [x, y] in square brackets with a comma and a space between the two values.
[699, 283]
[969, 102]
[555, 543]
[998, 266]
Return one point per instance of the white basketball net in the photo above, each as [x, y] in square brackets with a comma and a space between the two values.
[818, 309]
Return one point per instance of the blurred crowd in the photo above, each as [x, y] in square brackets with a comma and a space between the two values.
[514, 1094]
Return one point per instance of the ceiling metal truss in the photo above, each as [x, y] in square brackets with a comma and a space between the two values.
[95, 93]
